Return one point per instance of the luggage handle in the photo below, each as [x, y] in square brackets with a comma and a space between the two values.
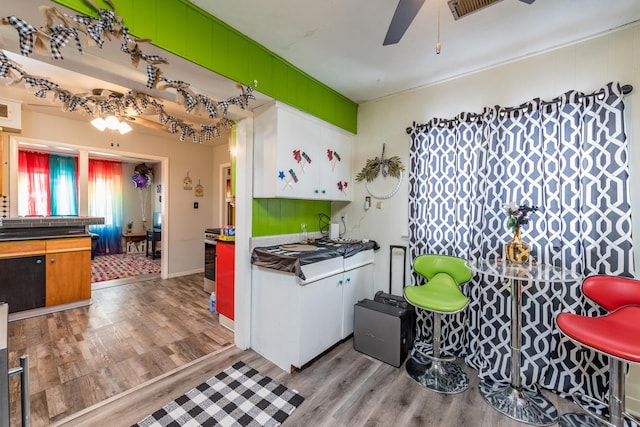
[404, 265]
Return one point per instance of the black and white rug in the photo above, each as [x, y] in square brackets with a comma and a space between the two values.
[238, 396]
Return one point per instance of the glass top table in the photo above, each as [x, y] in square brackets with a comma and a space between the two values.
[512, 400]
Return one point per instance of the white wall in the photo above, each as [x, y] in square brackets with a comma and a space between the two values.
[584, 66]
[184, 233]
[221, 157]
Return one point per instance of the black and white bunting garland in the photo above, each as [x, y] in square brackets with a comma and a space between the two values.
[108, 25]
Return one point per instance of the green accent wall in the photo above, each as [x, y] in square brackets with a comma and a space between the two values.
[183, 29]
[284, 216]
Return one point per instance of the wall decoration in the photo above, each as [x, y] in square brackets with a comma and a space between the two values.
[187, 182]
[342, 186]
[299, 156]
[287, 181]
[199, 190]
[60, 28]
[381, 167]
[142, 177]
[333, 157]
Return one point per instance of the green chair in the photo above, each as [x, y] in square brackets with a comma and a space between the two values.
[440, 295]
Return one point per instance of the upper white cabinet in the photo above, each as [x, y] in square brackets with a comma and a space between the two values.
[299, 156]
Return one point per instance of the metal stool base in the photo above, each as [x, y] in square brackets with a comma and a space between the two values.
[441, 377]
[525, 406]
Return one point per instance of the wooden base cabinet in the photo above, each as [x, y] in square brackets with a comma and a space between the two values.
[46, 272]
[68, 270]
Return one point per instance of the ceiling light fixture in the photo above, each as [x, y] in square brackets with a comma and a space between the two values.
[112, 123]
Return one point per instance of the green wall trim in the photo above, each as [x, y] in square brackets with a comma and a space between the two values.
[283, 216]
[183, 29]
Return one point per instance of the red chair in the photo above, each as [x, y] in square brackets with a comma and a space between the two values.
[616, 334]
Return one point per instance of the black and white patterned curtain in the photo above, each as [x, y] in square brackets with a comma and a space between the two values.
[570, 158]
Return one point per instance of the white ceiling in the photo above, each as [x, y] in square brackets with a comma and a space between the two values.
[339, 42]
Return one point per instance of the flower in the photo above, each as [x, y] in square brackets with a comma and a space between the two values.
[518, 215]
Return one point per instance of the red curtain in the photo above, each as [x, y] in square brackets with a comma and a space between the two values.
[33, 181]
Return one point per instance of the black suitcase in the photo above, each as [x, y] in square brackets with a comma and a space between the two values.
[384, 327]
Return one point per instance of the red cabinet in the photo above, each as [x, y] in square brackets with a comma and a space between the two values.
[225, 266]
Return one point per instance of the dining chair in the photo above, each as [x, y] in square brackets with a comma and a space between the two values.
[440, 295]
[614, 334]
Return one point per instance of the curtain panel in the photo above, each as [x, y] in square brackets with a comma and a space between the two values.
[570, 158]
[106, 200]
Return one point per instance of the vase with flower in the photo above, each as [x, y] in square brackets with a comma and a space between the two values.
[517, 250]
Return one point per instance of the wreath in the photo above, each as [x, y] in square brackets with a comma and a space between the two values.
[380, 166]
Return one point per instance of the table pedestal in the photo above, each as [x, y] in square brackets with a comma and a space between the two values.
[527, 406]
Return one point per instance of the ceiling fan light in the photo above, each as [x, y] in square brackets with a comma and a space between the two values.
[112, 122]
[124, 128]
[99, 123]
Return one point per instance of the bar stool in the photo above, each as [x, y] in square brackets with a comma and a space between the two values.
[440, 295]
[614, 334]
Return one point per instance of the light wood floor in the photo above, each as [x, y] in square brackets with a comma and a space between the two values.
[131, 334]
[341, 388]
[142, 345]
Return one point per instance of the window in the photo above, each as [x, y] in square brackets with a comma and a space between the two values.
[49, 182]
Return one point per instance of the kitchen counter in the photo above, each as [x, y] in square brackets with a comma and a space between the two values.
[46, 227]
[291, 258]
[303, 297]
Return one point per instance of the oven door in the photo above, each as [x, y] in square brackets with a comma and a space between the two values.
[209, 265]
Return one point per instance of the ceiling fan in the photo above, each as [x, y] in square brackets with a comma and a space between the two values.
[407, 10]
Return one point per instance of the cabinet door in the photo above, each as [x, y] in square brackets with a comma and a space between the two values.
[68, 270]
[297, 158]
[68, 277]
[24, 287]
[320, 317]
[358, 285]
[335, 168]
[225, 270]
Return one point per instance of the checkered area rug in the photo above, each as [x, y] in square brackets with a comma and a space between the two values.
[238, 396]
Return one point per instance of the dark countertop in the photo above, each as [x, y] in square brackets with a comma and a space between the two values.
[49, 221]
[290, 261]
[46, 227]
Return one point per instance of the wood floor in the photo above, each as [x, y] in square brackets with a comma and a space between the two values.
[142, 345]
[131, 334]
[341, 388]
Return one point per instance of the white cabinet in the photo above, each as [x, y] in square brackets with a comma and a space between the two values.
[293, 321]
[299, 156]
[357, 285]
[320, 317]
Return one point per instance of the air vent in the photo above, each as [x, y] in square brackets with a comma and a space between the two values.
[10, 115]
[460, 8]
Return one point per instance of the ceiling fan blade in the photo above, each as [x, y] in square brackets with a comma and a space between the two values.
[402, 18]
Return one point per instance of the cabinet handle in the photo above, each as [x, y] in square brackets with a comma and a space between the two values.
[324, 191]
[316, 191]
[38, 261]
[52, 260]
[348, 279]
[340, 282]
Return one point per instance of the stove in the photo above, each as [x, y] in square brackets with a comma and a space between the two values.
[210, 241]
